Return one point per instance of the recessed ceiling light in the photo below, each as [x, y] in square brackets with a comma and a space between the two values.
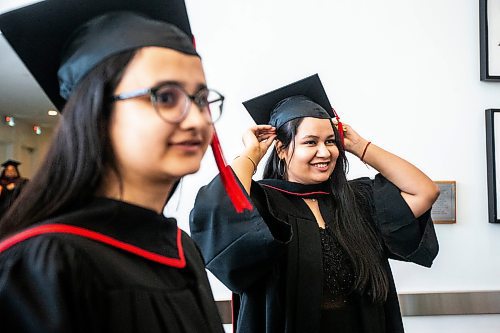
[53, 113]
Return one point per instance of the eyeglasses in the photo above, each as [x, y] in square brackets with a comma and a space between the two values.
[172, 102]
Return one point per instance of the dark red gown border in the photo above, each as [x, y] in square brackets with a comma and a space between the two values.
[295, 193]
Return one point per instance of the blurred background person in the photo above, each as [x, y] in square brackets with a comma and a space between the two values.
[11, 184]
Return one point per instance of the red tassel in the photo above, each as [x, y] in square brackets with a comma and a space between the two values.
[235, 193]
[233, 190]
[340, 127]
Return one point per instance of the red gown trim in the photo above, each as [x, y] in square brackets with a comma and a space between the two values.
[86, 233]
[305, 194]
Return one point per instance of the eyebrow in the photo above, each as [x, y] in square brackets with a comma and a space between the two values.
[310, 136]
[199, 87]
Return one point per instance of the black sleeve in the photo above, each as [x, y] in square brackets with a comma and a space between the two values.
[37, 294]
[405, 237]
[238, 248]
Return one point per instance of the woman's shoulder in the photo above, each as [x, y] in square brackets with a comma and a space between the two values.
[44, 256]
[37, 247]
[361, 182]
[378, 184]
[362, 189]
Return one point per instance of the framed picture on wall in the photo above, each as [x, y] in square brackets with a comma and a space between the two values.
[489, 27]
[493, 163]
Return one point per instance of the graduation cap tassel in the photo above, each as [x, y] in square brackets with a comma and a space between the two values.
[235, 193]
[341, 130]
[340, 127]
[233, 190]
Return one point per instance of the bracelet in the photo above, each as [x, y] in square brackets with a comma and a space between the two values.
[364, 152]
[253, 163]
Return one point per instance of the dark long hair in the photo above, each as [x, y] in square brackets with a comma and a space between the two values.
[80, 150]
[351, 226]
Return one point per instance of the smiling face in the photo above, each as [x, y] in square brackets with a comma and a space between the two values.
[311, 158]
[148, 149]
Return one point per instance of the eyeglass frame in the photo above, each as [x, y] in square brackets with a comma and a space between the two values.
[153, 98]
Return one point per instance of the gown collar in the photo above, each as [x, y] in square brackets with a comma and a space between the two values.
[150, 233]
[298, 189]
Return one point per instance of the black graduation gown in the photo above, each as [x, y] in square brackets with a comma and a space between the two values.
[7, 196]
[272, 257]
[61, 282]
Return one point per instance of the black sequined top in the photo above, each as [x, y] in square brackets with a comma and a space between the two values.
[338, 273]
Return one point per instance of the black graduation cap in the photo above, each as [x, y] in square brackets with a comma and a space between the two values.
[11, 162]
[304, 98]
[40, 32]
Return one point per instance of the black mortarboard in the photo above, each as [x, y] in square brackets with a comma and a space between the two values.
[10, 162]
[304, 98]
[83, 33]
[39, 34]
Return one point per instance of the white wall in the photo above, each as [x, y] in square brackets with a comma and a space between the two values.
[405, 74]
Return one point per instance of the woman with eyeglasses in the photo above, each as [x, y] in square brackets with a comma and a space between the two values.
[86, 247]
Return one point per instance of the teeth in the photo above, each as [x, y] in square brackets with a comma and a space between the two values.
[321, 165]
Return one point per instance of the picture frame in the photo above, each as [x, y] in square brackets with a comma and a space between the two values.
[493, 163]
[489, 27]
[444, 210]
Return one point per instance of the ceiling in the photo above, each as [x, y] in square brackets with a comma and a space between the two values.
[20, 95]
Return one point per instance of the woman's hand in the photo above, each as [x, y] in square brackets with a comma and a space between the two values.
[257, 140]
[353, 142]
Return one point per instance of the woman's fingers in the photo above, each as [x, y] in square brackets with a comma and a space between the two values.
[263, 129]
[263, 132]
[263, 136]
[267, 138]
[256, 135]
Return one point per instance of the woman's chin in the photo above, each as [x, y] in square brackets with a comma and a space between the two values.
[323, 177]
[185, 172]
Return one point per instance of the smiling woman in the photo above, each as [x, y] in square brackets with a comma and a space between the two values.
[314, 252]
[313, 156]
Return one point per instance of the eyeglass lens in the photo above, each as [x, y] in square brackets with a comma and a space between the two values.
[172, 103]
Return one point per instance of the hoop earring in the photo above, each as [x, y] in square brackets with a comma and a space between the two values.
[281, 173]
